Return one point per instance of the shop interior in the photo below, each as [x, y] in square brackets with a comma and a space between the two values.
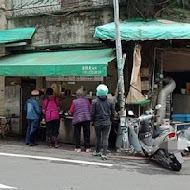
[176, 64]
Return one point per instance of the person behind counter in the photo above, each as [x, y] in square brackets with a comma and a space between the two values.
[80, 109]
[102, 115]
[50, 108]
[33, 114]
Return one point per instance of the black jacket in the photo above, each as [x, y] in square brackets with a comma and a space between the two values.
[103, 111]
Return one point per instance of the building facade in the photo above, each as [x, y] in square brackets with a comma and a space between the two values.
[70, 24]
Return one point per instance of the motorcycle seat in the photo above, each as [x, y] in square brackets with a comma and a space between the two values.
[156, 133]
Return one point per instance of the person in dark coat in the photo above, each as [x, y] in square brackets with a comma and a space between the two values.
[102, 114]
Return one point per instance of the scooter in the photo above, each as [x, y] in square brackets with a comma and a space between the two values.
[161, 145]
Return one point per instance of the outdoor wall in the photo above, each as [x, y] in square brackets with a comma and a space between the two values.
[3, 21]
[3, 26]
[2, 87]
[75, 28]
[78, 26]
[176, 61]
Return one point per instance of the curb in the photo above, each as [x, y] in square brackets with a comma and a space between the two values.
[110, 155]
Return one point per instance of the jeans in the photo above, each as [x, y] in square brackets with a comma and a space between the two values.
[102, 131]
[31, 130]
[86, 132]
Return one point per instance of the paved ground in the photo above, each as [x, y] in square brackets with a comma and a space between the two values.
[41, 168]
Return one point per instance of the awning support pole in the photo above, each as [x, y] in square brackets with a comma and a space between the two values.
[121, 87]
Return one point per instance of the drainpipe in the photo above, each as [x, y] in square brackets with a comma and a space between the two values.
[169, 88]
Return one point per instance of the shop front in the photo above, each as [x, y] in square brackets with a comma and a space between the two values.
[64, 71]
[165, 53]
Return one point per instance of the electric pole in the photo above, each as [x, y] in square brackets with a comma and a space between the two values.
[120, 63]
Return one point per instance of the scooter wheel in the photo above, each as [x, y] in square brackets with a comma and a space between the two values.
[175, 165]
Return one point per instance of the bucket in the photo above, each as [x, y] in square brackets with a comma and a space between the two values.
[183, 90]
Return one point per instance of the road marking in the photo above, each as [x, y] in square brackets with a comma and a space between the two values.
[56, 159]
[6, 187]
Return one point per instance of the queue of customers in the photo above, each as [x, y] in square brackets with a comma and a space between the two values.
[100, 112]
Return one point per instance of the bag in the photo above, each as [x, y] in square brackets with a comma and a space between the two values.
[43, 114]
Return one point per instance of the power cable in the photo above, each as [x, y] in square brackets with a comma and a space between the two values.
[56, 15]
[164, 8]
[151, 4]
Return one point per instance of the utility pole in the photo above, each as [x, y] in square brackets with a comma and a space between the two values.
[121, 87]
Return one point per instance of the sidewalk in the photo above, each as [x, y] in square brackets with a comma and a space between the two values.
[17, 143]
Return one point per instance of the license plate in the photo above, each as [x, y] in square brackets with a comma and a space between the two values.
[179, 157]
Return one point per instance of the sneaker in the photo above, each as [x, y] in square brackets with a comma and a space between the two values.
[88, 150]
[95, 153]
[33, 144]
[57, 146]
[104, 157]
[77, 150]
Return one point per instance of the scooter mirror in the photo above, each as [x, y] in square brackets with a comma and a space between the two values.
[158, 106]
[130, 113]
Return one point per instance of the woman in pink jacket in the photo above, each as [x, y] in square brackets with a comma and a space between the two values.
[50, 108]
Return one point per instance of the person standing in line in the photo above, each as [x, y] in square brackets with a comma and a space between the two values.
[102, 115]
[50, 108]
[33, 114]
[80, 109]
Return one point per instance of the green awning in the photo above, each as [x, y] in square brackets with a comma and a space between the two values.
[63, 63]
[138, 29]
[16, 34]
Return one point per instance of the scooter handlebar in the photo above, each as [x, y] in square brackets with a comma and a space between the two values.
[145, 117]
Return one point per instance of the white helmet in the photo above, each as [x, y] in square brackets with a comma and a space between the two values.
[102, 90]
[35, 92]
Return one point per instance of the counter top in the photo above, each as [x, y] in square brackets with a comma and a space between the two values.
[68, 117]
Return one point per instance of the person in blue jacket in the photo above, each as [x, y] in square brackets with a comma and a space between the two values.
[33, 114]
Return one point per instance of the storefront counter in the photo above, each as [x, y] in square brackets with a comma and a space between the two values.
[66, 132]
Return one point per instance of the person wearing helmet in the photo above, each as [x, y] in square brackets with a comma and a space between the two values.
[102, 115]
[33, 114]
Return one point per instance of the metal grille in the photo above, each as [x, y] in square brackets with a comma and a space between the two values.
[28, 7]
[20, 4]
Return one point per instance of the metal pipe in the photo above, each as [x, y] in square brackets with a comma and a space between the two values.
[169, 88]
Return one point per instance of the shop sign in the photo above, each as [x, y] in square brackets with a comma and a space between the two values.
[91, 70]
[73, 78]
